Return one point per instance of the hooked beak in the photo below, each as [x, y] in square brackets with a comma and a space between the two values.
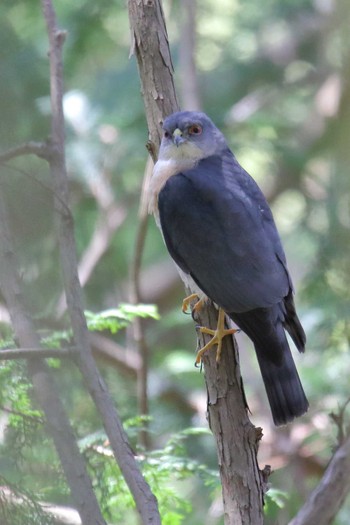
[178, 138]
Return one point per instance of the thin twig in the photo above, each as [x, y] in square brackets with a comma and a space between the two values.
[137, 329]
[35, 353]
[110, 218]
[40, 149]
[339, 420]
[145, 501]
[58, 514]
[325, 501]
[43, 382]
[28, 417]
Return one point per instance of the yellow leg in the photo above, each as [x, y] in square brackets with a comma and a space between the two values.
[188, 300]
[218, 336]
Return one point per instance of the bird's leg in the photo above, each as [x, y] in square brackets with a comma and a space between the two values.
[188, 300]
[217, 338]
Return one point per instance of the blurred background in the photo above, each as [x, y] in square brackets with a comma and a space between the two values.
[276, 80]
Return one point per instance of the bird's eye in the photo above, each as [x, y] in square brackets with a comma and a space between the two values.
[166, 134]
[195, 129]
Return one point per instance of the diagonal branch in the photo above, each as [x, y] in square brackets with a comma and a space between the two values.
[44, 386]
[145, 501]
[40, 149]
[325, 501]
[35, 353]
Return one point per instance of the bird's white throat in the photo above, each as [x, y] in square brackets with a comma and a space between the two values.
[163, 170]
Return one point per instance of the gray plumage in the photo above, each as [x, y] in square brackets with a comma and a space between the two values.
[220, 231]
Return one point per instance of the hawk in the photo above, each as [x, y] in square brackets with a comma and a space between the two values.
[220, 231]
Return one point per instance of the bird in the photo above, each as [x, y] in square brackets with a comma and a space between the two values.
[220, 231]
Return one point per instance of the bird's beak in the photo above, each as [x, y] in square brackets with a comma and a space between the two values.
[177, 137]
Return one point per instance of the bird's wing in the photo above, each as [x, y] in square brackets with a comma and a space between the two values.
[219, 229]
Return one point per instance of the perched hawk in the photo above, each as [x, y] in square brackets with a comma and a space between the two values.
[220, 232]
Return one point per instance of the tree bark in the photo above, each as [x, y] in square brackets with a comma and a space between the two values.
[325, 501]
[145, 501]
[236, 438]
[149, 42]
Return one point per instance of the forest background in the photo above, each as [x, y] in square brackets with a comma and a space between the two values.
[276, 81]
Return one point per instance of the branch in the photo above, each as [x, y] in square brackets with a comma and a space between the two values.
[237, 440]
[35, 353]
[110, 217]
[126, 359]
[144, 499]
[43, 383]
[59, 514]
[328, 497]
[40, 149]
[137, 328]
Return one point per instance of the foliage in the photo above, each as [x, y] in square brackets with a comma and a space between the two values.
[18, 507]
[115, 319]
[164, 470]
[276, 81]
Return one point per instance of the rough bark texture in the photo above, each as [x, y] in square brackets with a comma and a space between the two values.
[236, 438]
[149, 42]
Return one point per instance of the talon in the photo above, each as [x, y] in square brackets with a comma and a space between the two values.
[217, 338]
[186, 303]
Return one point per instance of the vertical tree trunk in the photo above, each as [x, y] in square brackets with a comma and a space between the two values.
[236, 438]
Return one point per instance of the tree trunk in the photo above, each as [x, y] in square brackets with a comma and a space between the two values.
[237, 439]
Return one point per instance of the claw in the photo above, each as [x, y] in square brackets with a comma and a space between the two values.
[186, 303]
[217, 338]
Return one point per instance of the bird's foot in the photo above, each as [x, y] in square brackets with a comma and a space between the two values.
[186, 303]
[217, 338]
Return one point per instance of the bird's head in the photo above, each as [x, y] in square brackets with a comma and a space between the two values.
[189, 135]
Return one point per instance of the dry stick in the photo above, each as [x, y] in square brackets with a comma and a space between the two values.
[325, 501]
[40, 149]
[137, 329]
[44, 386]
[110, 217]
[146, 502]
[35, 353]
[237, 440]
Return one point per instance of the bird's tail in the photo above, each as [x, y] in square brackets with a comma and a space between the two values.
[283, 386]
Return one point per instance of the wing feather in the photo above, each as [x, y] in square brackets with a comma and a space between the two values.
[219, 229]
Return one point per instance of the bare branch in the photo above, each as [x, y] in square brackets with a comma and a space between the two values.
[44, 384]
[125, 358]
[35, 353]
[145, 501]
[326, 500]
[40, 149]
[137, 328]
